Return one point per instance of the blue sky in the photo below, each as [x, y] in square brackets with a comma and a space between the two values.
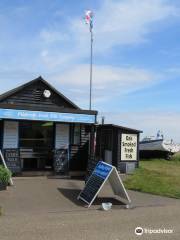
[136, 56]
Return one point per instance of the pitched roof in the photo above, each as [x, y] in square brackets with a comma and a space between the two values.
[17, 89]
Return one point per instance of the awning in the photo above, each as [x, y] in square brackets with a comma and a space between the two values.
[46, 116]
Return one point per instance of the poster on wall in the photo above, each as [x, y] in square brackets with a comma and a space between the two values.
[11, 134]
[62, 136]
[129, 147]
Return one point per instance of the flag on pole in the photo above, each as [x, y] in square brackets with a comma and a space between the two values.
[89, 19]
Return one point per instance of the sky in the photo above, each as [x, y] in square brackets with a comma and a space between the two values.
[136, 56]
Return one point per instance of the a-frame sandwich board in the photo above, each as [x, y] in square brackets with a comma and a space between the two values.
[103, 172]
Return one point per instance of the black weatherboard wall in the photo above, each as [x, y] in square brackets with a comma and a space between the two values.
[118, 146]
[30, 97]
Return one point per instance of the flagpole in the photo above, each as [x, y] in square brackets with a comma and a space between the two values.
[91, 63]
[89, 21]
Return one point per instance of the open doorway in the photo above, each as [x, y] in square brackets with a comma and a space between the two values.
[36, 143]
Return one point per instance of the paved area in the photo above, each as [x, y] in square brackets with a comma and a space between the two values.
[46, 208]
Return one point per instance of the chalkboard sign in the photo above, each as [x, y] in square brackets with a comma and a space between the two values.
[95, 182]
[103, 172]
[12, 159]
[61, 160]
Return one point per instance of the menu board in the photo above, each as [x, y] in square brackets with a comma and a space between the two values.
[61, 160]
[12, 159]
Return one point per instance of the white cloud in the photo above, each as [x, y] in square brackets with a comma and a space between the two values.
[148, 122]
[53, 61]
[108, 82]
[128, 22]
[52, 36]
[116, 23]
[173, 71]
[105, 76]
[123, 22]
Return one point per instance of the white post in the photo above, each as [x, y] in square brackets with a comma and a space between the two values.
[91, 62]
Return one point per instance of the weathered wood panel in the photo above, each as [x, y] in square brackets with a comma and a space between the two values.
[33, 95]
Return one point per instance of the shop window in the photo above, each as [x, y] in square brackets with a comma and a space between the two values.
[36, 134]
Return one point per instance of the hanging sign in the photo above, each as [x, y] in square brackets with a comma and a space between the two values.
[103, 172]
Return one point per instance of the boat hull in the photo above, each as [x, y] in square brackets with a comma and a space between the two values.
[159, 145]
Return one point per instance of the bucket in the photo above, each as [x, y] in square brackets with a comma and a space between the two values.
[106, 206]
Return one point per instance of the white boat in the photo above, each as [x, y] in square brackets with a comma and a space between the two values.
[158, 143]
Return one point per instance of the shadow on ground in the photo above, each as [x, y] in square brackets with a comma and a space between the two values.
[72, 194]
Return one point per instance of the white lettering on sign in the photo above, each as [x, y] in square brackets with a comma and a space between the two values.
[129, 147]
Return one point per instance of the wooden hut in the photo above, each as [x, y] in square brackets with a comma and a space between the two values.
[118, 146]
[42, 130]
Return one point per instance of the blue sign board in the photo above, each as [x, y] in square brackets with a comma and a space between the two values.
[46, 116]
[95, 182]
[102, 170]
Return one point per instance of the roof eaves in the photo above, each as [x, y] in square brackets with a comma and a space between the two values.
[118, 126]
